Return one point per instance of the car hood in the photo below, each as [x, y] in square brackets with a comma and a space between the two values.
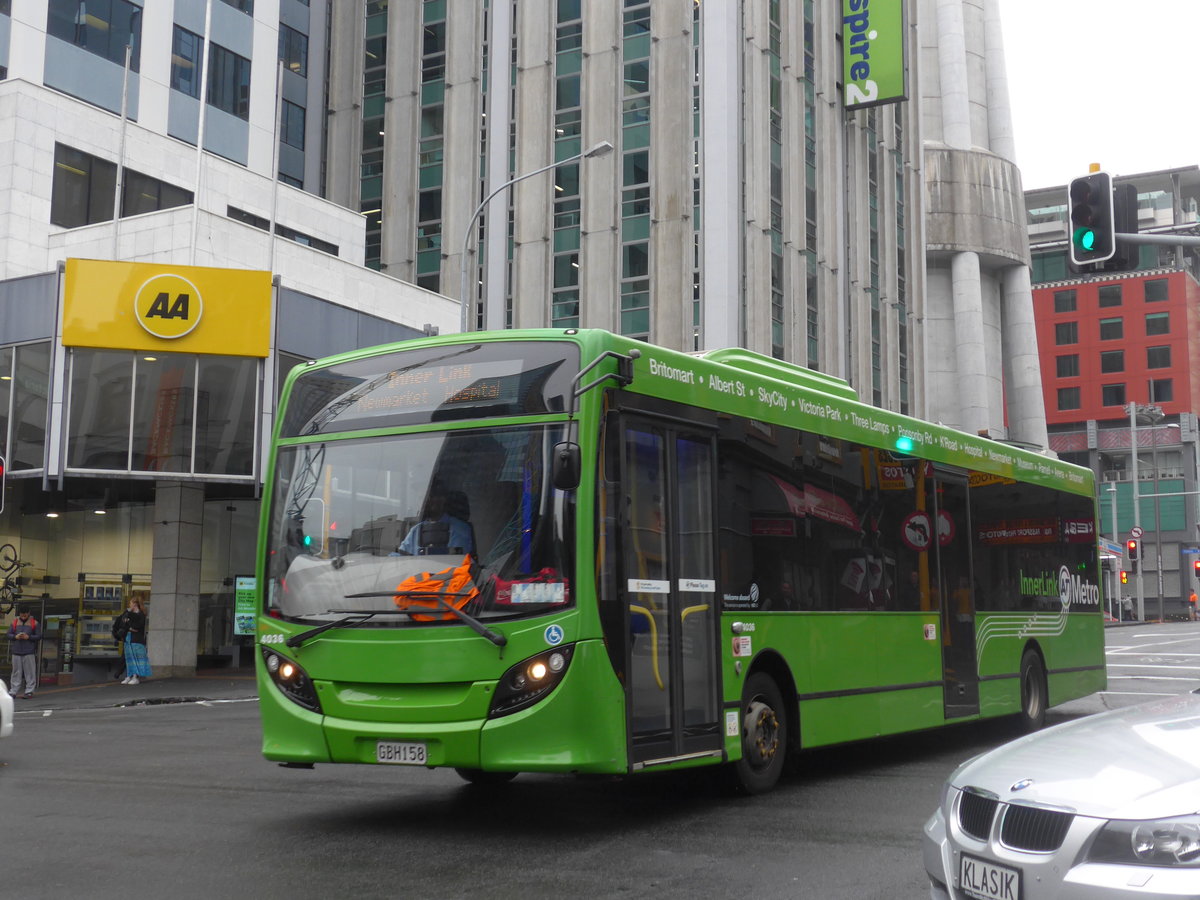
[1136, 763]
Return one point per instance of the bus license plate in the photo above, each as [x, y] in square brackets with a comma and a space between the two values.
[988, 881]
[401, 754]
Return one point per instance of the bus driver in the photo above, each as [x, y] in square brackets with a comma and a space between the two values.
[426, 537]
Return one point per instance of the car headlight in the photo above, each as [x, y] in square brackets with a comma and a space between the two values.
[530, 680]
[292, 680]
[1153, 842]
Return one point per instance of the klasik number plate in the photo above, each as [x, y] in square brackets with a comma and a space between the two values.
[987, 880]
[397, 753]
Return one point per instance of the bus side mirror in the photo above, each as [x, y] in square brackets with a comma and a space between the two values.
[566, 465]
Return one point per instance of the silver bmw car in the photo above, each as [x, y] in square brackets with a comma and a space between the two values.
[1105, 807]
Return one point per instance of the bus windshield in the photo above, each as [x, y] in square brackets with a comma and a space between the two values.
[356, 525]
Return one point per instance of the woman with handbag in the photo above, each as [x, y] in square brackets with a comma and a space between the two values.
[131, 631]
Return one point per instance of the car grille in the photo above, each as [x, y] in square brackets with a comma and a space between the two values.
[1022, 828]
[975, 814]
[1036, 830]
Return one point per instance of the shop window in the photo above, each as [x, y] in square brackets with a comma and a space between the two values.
[24, 387]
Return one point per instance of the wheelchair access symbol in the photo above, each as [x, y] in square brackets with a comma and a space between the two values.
[554, 635]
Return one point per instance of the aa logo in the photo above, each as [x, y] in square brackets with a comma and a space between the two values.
[168, 306]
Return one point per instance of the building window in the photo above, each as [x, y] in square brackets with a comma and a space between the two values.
[291, 130]
[1112, 329]
[293, 50]
[1112, 361]
[103, 27]
[1158, 323]
[1068, 398]
[1162, 390]
[1066, 333]
[1064, 301]
[1158, 357]
[1110, 295]
[1067, 366]
[5, 7]
[1156, 289]
[283, 231]
[246, 6]
[1112, 395]
[142, 194]
[186, 50]
[83, 188]
[229, 82]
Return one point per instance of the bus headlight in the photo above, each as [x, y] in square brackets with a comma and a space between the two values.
[530, 680]
[291, 679]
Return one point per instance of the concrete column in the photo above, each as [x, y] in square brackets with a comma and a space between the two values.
[999, 111]
[175, 578]
[721, 213]
[970, 350]
[952, 66]
[1023, 375]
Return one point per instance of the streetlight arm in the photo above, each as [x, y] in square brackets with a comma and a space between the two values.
[598, 150]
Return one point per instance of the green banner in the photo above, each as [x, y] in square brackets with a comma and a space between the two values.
[873, 47]
[244, 592]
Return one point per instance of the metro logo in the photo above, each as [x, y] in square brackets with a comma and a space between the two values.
[168, 306]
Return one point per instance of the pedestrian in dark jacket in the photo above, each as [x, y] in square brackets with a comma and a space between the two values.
[24, 634]
[133, 625]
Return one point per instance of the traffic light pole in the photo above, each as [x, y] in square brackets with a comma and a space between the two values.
[1182, 240]
[1137, 510]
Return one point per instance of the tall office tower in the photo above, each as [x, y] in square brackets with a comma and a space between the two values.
[742, 203]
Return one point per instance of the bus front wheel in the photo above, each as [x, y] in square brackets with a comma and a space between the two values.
[485, 779]
[764, 736]
[1033, 692]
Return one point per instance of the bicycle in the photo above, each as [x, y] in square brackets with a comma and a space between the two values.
[10, 589]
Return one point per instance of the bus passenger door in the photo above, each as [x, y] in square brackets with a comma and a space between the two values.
[668, 580]
[954, 580]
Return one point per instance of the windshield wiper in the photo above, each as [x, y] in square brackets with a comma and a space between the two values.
[351, 621]
[470, 621]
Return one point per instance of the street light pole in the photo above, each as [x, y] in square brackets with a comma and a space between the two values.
[598, 150]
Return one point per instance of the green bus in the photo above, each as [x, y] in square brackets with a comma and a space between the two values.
[569, 551]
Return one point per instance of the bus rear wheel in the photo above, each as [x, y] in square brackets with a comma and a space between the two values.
[764, 736]
[1033, 692]
[485, 779]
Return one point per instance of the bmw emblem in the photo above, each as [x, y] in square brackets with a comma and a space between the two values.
[1021, 785]
[554, 635]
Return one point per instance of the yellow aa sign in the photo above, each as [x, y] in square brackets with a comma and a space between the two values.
[161, 308]
[168, 306]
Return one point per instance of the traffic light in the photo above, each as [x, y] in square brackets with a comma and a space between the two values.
[1131, 547]
[1196, 567]
[1090, 201]
[1124, 577]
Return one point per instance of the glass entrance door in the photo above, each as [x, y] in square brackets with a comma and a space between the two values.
[668, 579]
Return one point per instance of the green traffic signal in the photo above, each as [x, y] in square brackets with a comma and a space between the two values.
[1085, 239]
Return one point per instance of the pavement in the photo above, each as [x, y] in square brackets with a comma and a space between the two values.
[221, 684]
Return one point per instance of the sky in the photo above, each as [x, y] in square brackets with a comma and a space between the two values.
[1115, 82]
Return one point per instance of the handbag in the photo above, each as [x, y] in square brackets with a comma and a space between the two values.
[120, 629]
